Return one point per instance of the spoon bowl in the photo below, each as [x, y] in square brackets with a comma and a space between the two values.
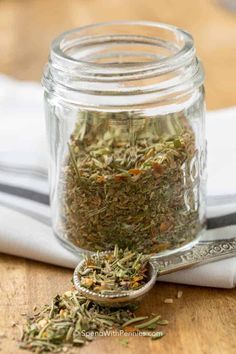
[116, 299]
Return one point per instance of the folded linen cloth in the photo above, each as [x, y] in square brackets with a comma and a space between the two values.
[24, 203]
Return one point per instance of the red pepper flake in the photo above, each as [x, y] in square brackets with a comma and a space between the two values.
[164, 226]
[120, 178]
[157, 169]
[130, 329]
[135, 171]
[100, 179]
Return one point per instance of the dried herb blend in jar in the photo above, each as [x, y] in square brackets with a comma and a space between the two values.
[125, 182]
[125, 120]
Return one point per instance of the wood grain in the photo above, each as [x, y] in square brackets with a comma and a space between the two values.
[203, 321]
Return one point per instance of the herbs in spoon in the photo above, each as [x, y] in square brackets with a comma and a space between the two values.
[114, 272]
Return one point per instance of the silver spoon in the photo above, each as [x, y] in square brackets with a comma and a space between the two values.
[203, 252]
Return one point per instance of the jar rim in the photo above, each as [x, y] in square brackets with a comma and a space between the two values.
[181, 56]
[131, 63]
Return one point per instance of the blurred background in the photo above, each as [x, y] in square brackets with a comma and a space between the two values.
[27, 28]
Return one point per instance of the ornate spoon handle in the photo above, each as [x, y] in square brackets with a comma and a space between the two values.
[203, 252]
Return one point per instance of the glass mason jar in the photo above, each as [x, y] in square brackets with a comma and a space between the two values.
[125, 122]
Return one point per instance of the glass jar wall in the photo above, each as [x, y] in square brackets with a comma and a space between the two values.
[125, 121]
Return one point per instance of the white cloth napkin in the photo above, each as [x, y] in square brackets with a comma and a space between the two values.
[24, 212]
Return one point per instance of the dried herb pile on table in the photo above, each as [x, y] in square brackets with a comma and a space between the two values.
[114, 272]
[129, 180]
[72, 320]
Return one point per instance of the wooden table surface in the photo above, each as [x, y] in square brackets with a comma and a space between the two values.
[204, 319]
